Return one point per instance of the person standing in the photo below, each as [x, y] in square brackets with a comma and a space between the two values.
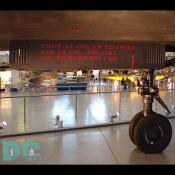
[123, 83]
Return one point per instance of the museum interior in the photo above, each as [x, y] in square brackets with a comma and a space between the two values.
[87, 87]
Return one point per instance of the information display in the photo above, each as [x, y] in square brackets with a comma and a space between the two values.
[85, 54]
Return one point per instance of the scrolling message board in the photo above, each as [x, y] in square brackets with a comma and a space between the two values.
[85, 54]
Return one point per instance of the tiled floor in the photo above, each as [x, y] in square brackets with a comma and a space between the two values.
[104, 145]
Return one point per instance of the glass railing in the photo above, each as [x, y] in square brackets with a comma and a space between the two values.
[35, 113]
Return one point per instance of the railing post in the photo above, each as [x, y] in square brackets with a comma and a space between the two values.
[25, 113]
[120, 99]
[76, 106]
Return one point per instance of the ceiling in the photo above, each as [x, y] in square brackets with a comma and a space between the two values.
[91, 25]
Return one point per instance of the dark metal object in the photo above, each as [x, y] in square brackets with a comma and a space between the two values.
[149, 91]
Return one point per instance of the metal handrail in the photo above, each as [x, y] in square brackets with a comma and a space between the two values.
[78, 93]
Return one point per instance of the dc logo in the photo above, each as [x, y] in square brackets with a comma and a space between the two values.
[11, 150]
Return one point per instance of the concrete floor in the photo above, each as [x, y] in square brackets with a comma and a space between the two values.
[103, 145]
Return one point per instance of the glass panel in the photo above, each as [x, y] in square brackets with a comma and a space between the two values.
[12, 111]
[41, 111]
[168, 97]
[38, 113]
[131, 103]
[97, 108]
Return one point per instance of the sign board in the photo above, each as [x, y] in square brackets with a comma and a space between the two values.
[85, 54]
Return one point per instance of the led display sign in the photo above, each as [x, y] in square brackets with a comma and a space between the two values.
[85, 54]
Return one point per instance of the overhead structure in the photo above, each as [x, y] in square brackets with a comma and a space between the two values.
[85, 54]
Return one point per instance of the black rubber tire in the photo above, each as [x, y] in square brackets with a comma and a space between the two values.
[133, 123]
[153, 133]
